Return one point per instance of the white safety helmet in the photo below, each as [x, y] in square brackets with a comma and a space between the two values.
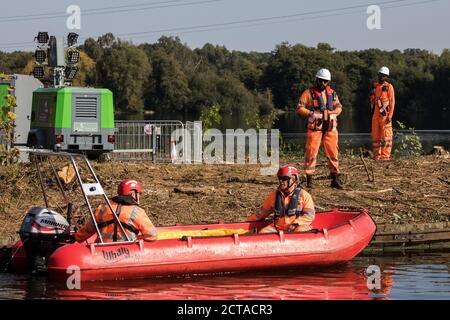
[384, 70]
[324, 74]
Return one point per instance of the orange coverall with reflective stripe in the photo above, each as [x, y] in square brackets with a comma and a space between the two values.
[383, 103]
[301, 223]
[129, 214]
[314, 136]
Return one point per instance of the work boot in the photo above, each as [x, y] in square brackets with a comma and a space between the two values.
[309, 181]
[335, 183]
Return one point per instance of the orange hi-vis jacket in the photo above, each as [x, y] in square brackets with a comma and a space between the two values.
[303, 214]
[318, 128]
[133, 218]
[382, 99]
[309, 102]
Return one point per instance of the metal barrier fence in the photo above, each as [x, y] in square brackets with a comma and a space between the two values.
[152, 141]
[194, 135]
[144, 140]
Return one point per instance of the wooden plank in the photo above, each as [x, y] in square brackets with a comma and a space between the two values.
[411, 237]
[439, 246]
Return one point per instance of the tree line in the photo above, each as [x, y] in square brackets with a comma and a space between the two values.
[169, 77]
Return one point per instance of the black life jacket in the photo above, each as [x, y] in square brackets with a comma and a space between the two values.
[291, 209]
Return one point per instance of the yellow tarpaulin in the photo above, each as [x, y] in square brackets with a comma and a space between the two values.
[162, 234]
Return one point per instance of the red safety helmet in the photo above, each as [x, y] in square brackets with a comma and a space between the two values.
[128, 185]
[287, 171]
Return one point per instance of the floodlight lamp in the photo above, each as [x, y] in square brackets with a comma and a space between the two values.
[38, 72]
[72, 39]
[73, 56]
[70, 72]
[42, 37]
[40, 56]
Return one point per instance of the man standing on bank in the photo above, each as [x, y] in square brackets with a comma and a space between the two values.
[382, 102]
[320, 104]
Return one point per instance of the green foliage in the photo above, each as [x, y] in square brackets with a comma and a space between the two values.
[86, 75]
[291, 69]
[92, 48]
[124, 69]
[170, 78]
[169, 87]
[291, 149]
[253, 120]
[408, 143]
[210, 117]
[14, 62]
[8, 154]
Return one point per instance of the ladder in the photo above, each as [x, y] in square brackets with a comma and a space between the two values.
[88, 189]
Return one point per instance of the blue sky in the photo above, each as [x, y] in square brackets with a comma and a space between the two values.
[404, 23]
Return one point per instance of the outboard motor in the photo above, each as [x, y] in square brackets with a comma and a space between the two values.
[42, 232]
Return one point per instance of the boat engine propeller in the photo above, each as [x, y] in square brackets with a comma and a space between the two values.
[42, 232]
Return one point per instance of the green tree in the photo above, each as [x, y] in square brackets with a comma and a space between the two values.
[169, 76]
[124, 69]
[204, 90]
[169, 89]
[291, 69]
[210, 117]
[8, 153]
[14, 62]
[92, 48]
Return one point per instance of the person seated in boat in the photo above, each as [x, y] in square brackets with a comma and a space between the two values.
[132, 217]
[292, 206]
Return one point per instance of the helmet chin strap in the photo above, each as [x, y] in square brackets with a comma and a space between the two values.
[288, 189]
[382, 78]
[135, 195]
[292, 186]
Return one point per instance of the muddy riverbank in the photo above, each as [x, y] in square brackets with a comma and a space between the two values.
[395, 192]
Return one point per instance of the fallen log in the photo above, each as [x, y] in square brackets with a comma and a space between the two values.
[194, 191]
[251, 180]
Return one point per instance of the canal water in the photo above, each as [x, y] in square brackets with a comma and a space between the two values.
[421, 277]
[352, 134]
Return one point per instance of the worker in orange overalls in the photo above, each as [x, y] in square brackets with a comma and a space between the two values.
[133, 218]
[320, 104]
[292, 206]
[382, 102]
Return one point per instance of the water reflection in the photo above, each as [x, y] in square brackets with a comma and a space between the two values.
[414, 277]
[352, 134]
[332, 284]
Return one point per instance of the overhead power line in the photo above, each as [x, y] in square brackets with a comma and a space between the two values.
[214, 28]
[257, 21]
[108, 10]
[283, 17]
[219, 27]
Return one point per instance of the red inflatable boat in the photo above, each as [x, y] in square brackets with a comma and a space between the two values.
[192, 249]
[338, 236]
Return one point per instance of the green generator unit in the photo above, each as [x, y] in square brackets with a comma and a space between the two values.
[73, 119]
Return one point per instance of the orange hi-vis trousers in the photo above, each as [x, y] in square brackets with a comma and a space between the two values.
[381, 137]
[330, 142]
